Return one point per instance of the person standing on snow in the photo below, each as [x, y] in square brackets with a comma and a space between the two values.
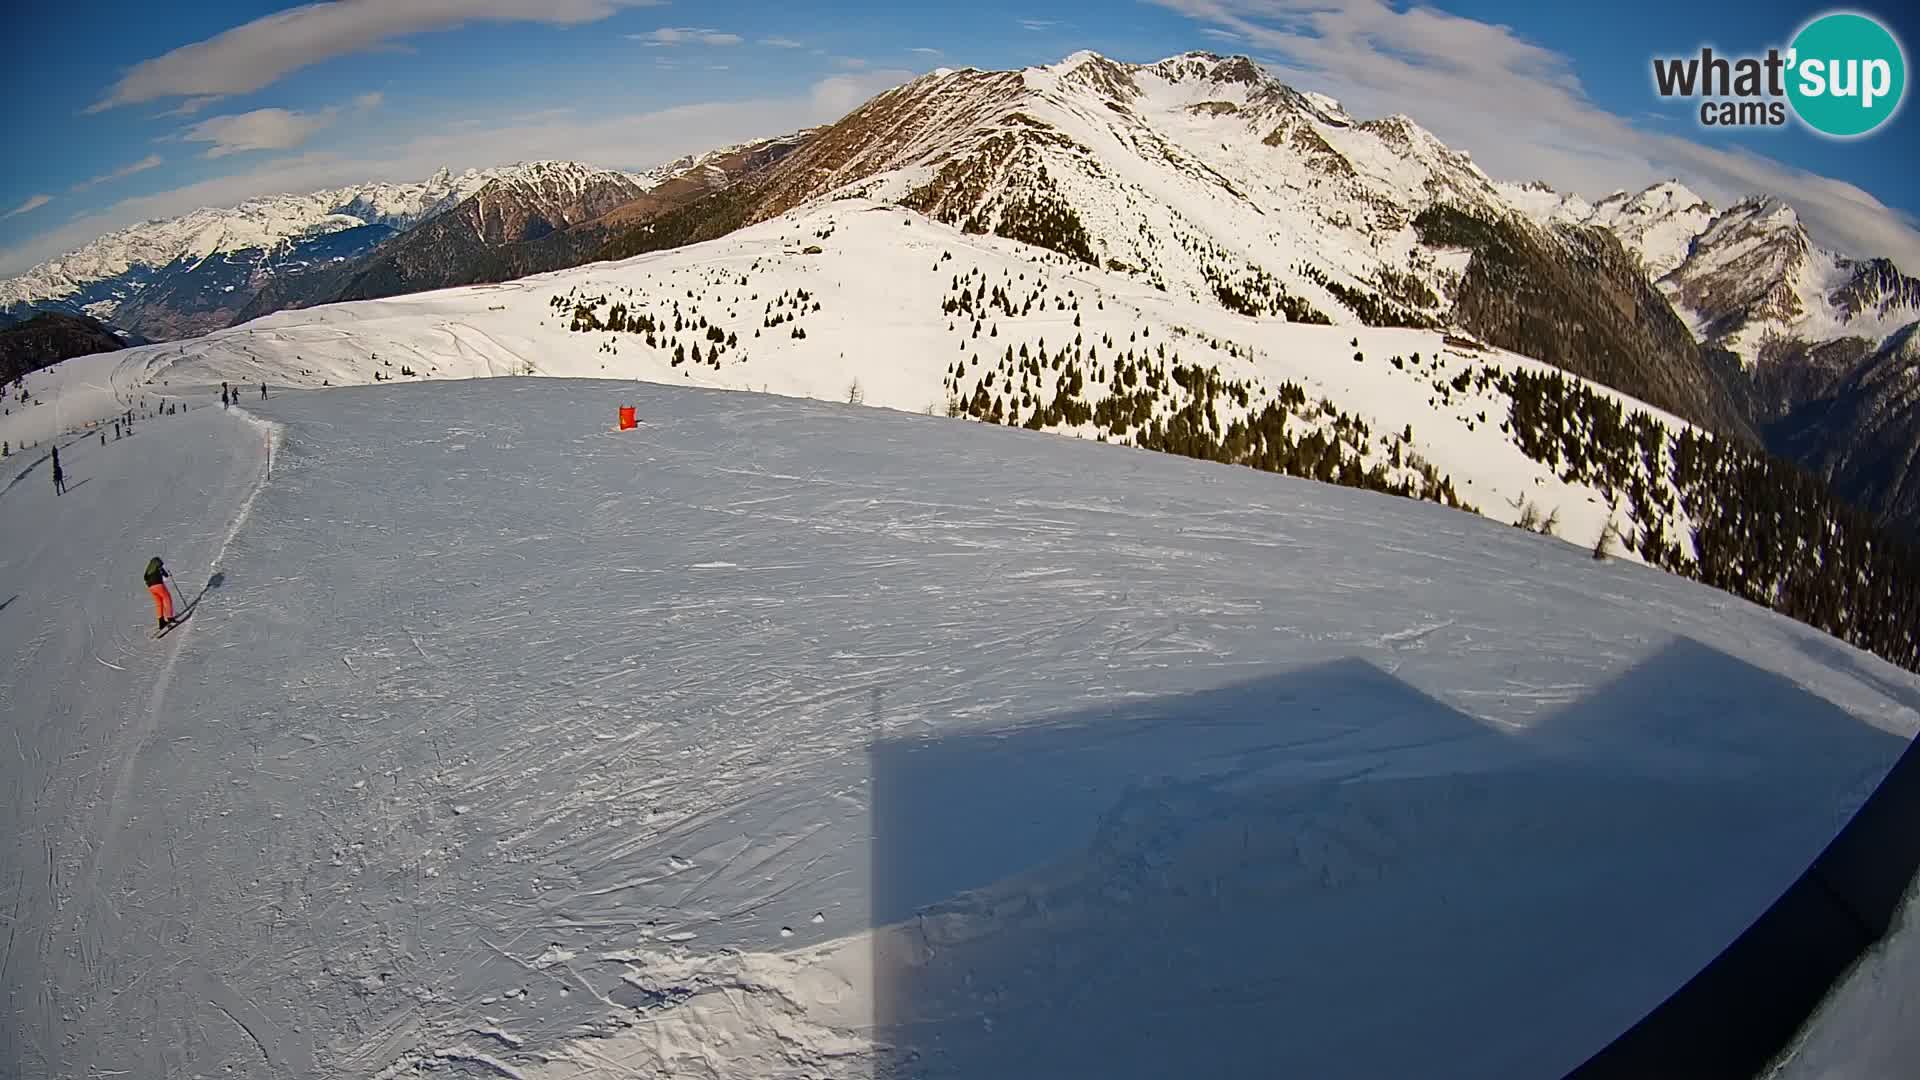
[263, 391]
[156, 579]
[59, 478]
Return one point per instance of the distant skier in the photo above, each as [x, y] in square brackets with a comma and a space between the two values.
[103, 438]
[59, 478]
[225, 401]
[263, 391]
[156, 579]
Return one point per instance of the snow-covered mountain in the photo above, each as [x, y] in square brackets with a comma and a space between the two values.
[175, 277]
[531, 221]
[1815, 344]
[1198, 174]
[1748, 279]
[257, 224]
[1204, 178]
[1753, 277]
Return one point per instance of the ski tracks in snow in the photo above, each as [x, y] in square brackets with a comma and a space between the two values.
[132, 742]
[674, 739]
[80, 939]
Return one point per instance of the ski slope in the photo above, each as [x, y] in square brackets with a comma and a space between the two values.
[782, 738]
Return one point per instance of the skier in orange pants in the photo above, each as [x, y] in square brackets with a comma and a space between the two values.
[156, 579]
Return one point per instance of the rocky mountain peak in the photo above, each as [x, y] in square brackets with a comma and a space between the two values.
[1877, 288]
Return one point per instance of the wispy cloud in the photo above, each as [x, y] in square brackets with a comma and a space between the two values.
[1218, 34]
[151, 161]
[189, 107]
[261, 129]
[783, 43]
[850, 63]
[686, 35]
[372, 99]
[1522, 112]
[34, 202]
[259, 53]
[924, 51]
[1037, 25]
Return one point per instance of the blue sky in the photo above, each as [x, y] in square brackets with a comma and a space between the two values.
[168, 107]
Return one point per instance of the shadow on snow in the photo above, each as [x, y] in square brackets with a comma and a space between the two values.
[1326, 872]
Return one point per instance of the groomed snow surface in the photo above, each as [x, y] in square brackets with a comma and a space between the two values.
[779, 738]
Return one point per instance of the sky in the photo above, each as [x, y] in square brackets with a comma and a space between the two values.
[167, 108]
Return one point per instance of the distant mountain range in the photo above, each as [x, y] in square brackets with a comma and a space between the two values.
[184, 276]
[1818, 347]
[1198, 176]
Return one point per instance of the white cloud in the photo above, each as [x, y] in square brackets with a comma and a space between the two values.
[924, 51]
[1037, 25]
[850, 63]
[836, 96]
[259, 53]
[686, 35]
[398, 154]
[261, 129]
[1521, 111]
[34, 202]
[1218, 34]
[372, 99]
[151, 161]
[783, 43]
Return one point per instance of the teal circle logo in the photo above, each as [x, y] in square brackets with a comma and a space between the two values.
[1848, 74]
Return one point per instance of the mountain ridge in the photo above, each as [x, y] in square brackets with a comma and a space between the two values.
[175, 277]
[1202, 176]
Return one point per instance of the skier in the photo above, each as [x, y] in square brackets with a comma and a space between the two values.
[59, 478]
[103, 438]
[224, 400]
[156, 579]
[263, 391]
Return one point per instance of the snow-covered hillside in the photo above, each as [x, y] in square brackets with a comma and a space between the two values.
[909, 314]
[780, 738]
